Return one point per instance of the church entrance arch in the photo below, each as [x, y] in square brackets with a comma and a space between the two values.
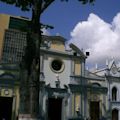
[94, 110]
[114, 114]
[54, 108]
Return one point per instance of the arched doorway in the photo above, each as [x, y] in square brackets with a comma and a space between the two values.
[54, 108]
[94, 110]
[6, 108]
[115, 114]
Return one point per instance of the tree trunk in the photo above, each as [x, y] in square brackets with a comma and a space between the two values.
[35, 63]
[32, 61]
[31, 65]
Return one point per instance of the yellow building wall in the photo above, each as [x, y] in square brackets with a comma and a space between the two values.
[4, 22]
[6, 92]
[17, 93]
[77, 67]
[73, 104]
[58, 45]
[77, 102]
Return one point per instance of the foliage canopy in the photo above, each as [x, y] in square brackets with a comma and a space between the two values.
[26, 5]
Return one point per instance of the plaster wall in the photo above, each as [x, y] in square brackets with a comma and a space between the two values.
[4, 22]
[51, 76]
[57, 45]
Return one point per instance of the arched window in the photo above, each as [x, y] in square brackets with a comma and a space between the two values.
[114, 93]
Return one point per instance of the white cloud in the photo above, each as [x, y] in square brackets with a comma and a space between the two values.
[100, 38]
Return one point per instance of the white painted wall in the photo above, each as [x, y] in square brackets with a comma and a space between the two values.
[50, 76]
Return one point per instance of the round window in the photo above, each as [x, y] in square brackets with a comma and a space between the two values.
[57, 65]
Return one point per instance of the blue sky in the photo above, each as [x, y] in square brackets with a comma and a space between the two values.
[65, 15]
[95, 28]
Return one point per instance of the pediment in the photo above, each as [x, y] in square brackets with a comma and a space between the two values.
[76, 49]
[7, 76]
[113, 69]
[93, 76]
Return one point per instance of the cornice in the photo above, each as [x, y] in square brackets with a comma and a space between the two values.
[60, 53]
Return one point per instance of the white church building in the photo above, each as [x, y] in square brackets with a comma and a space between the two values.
[112, 75]
[68, 91]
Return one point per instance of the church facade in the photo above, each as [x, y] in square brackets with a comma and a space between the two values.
[112, 75]
[68, 91]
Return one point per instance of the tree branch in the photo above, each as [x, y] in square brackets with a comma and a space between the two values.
[45, 5]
